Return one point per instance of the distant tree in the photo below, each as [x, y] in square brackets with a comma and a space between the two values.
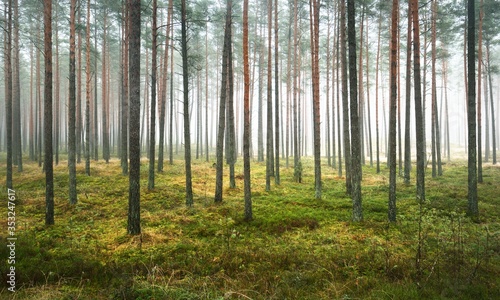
[187, 131]
[47, 126]
[472, 209]
[72, 106]
[392, 112]
[134, 212]
[246, 120]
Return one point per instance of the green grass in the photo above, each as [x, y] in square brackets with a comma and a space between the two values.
[295, 248]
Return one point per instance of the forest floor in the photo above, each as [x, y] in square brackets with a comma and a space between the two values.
[295, 248]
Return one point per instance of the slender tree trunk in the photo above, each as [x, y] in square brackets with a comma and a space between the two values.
[433, 89]
[345, 98]
[125, 94]
[105, 99]
[8, 101]
[231, 146]
[187, 131]
[418, 104]
[472, 209]
[163, 106]
[277, 102]
[407, 163]
[316, 95]
[493, 126]
[56, 114]
[269, 127]
[152, 141]
[134, 196]
[72, 107]
[79, 121]
[87, 93]
[47, 126]
[392, 113]
[16, 93]
[297, 163]
[357, 210]
[246, 127]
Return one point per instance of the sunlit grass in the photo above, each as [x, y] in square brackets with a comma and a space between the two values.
[296, 247]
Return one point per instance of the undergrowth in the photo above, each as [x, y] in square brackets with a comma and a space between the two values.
[295, 248]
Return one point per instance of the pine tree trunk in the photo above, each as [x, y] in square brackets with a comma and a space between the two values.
[345, 99]
[392, 112]
[125, 94]
[246, 127]
[407, 159]
[222, 108]
[47, 126]
[16, 94]
[8, 98]
[105, 100]
[419, 124]
[356, 170]
[134, 196]
[277, 102]
[72, 107]
[269, 119]
[316, 95]
[87, 93]
[231, 146]
[187, 131]
[152, 141]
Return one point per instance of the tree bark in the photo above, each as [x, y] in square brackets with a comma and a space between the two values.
[392, 113]
[187, 131]
[246, 127]
[47, 126]
[152, 131]
[357, 213]
[134, 196]
[72, 107]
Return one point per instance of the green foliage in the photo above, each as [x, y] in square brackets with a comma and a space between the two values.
[296, 247]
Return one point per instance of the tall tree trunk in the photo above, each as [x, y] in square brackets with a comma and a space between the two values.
[222, 108]
[472, 209]
[87, 93]
[79, 121]
[418, 104]
[163, 107]
[434, 114]
[357, 210]
[392, 112]
[187, 131]
[277, 102]
[16, 93]
[493, 126]
[47, 126]
[377, 129]
[269, 119]
[134, 195]
[8, 98]
[72, 107]
[246, 127]
[152, 136]
[296, 157]
[231, 146]
[345, 98]
[105, 99]
[56, 114]
[407, 162]
[316, 95]
[125, 93]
